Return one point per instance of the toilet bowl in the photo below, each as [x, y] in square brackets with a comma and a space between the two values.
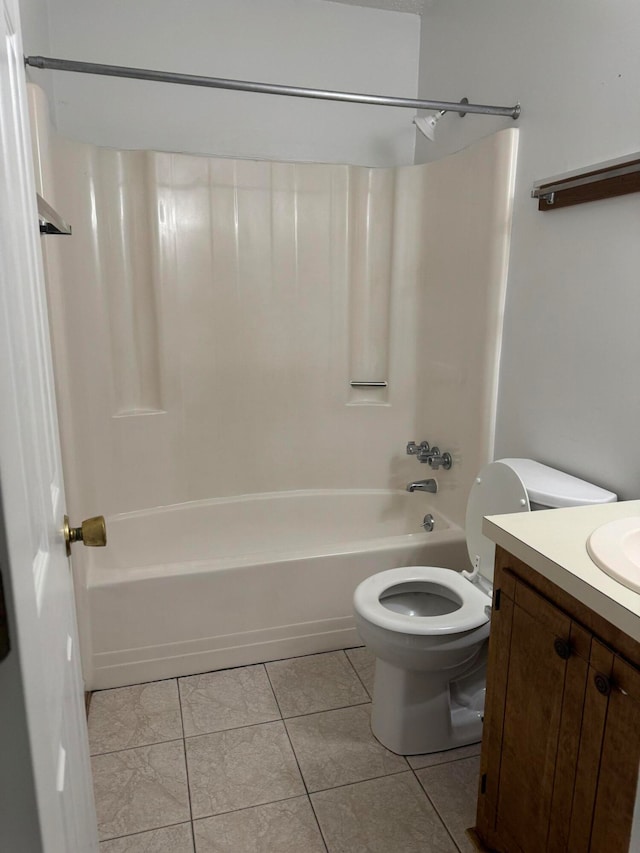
[428, 626]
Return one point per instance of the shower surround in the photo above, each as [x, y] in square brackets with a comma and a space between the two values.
[208, 316]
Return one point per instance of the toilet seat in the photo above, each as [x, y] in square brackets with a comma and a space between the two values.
[497, 489]
[471, 613]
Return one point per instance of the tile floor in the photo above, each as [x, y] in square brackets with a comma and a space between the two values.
[274, 758]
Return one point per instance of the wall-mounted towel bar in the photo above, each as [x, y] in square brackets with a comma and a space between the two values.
[357, 384]
[592, 183]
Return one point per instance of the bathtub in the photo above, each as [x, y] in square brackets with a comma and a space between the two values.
[227, 582]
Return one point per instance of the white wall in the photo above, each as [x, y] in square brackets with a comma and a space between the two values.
[310, 43]
[569, 387]
[34, 20]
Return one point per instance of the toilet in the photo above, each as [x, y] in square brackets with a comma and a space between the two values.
[428, 626]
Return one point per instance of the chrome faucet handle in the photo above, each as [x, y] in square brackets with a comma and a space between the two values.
[414, 449]
[435, 459]
[428, 522]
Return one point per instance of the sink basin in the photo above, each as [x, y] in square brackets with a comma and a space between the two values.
[615, 548]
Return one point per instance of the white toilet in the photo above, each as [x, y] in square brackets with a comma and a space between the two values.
[428, 627]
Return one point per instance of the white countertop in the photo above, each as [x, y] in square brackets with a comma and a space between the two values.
[553, 542]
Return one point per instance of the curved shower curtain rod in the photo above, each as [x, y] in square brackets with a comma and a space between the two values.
[264, 88]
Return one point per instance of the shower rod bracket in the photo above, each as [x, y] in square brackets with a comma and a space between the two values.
[54, 64]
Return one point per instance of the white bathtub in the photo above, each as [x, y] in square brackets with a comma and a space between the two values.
[226, 582]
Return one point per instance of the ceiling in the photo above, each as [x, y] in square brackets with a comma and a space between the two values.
[417, 7]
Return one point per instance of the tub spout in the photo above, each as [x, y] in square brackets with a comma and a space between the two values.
[423, 486]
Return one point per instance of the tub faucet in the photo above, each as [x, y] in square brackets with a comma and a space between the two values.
[423, 486]
[428, 454]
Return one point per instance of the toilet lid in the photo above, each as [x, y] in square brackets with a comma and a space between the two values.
[472, 613]
[496, 490]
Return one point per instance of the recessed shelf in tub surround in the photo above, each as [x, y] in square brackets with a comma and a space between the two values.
[124, 192]
[372, 213]
[553, 542]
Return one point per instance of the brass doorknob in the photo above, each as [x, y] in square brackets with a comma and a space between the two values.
[92, 531]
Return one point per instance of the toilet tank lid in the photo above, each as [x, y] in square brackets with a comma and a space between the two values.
[553, 488]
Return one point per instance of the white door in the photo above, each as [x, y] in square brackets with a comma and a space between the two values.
[46, 799]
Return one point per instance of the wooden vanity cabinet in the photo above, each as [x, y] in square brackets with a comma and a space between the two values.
[561, 742]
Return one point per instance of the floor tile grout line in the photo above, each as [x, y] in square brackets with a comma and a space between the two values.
[180, 706]
[274, 720]
[248, 808]
[98, 690]
[271, 687]
[186, 770]
[295, 755]
[143, 831]
[353, 667]
[186, 767]
[328, 710]
[358, 781]
[236, 728]
[310, 655]
[442, 763]
[315, 816]
[131, 748]
[291, 743]
[436, 810]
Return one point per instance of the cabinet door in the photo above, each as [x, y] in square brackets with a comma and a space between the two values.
[605, 797]
[537, 666]
[497, 672]
[525, 690]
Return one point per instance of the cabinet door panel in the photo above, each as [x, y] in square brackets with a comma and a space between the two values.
[593, 721]
[497, 670]
[532, 722]
[569, 740]
[619, 761]
[543, 612]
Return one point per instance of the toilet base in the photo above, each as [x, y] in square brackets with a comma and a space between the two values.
[420, 712]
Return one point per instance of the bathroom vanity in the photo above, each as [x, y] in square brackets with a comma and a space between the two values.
[561, 742]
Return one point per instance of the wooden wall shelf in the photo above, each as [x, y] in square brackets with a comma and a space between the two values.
[601, 180]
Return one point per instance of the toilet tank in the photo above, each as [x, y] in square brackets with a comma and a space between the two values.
[549, 488]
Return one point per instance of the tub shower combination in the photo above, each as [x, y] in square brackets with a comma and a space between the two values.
[242, 349]
[227, 582]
